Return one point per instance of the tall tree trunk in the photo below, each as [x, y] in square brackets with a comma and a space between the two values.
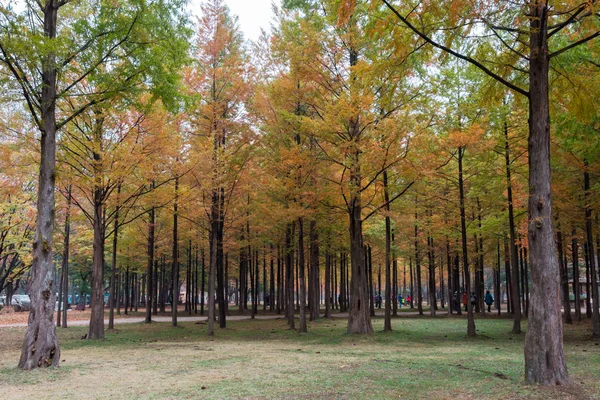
[336, 303]
[113, 270]
[451, 286]
[394, 278]
[175, 259]
[212, 266]
[369, 267]
[591, 255]
[289, 264]
[497, 295]
[251, 271]
[314, 281]
[150, 266]
[575, 263]
[264, 279]
[96, 327]
[65, 266]
[544, 357]
[418, 264]
[412, 293]
[279, 282]
[302, 294]
[203, 284]
[196, 264]
[359, 319]
[431, 260]
[40, 344]
[514, 257]
[465, 253]
[507, 273]
[127, 291]
[564, 277]
[387, 325]
[588, 291]
[272, 282]
[328, 299]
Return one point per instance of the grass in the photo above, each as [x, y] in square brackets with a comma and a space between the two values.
[428, 358]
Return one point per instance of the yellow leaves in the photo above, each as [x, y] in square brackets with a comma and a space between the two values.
[345, 11]
[466, 137]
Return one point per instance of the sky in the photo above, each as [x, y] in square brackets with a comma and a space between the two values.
[253, 14]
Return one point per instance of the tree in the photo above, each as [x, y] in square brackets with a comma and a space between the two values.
[67, 53]
[525, 31]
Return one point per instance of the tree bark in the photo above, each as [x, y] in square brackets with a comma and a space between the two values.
[40, 344]
[465, 254]
[514, 258]
[289, 264]
[302, 324]
[591, 255]
[564, 277]
[211, 282]
[150, 266]
[175, 260]
[96, 327]
[387, 325]
[544, 358]
[314, 282]
[65, 267]
[113, 286]
[418, 264]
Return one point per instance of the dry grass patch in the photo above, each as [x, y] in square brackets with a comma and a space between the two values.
[262, 359]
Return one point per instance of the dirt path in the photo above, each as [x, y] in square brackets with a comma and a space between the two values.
[83, 318]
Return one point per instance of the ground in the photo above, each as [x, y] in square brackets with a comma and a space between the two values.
[422, 358]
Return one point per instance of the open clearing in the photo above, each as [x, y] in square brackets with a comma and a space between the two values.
[422, 358]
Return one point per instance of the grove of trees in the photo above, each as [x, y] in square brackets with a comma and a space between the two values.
[360, 149]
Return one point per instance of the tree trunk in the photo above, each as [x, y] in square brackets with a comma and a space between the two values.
[150, 267]
[328, 302]
[280, 292]
[65, 268]
[289, 264]
[40, 344]
[369, 271]
[387, 326]
[418, 264]
[203, 284]
[272, 282]
[96, 327]
[591, 255]
[127, 290]
[451, 285]
[463, 228]
[211, 282]
[514, 258]
[544, 358]
[302, 324]
[175, 260]
[314, 280]
[564, 277]
[113, 286]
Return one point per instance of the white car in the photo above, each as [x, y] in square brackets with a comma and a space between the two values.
[21, 302]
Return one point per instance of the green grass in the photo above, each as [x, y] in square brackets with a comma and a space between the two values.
[429, 358]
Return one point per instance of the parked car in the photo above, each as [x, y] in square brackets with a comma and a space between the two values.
[20, 302]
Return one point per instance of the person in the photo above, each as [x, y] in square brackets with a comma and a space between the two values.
[408, 299]
[473, 300]
[400, 299]
[456, 301]
[489, 300]
[465, 300]
[379, 300]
